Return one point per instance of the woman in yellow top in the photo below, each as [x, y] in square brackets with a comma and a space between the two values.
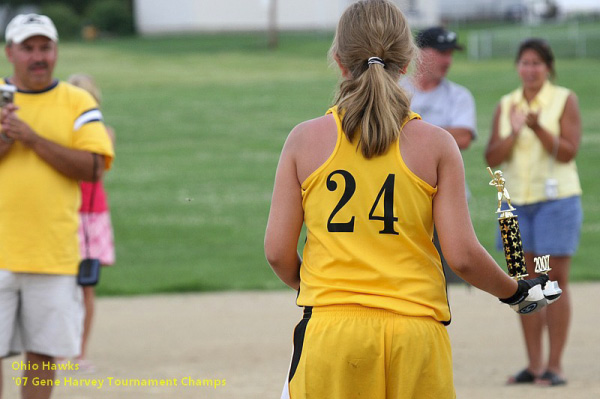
[535, 136]
[369, 179]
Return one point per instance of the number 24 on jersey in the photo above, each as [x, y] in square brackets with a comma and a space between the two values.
[386, 191]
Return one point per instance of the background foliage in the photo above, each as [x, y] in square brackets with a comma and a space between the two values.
[110, 17]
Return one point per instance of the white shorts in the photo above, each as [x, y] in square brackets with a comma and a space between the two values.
[40, 313]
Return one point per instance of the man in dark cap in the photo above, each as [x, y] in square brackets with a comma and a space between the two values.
[438, 100]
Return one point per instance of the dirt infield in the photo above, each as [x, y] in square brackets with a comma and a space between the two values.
[238, 346]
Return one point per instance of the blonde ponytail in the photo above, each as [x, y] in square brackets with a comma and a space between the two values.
[371, 102]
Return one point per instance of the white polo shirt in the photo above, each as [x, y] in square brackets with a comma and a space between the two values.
[449, 105]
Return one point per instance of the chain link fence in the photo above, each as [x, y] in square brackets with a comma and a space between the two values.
[571, 40]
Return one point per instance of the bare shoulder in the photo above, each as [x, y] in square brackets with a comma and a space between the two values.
[312, 142]
[312, 134]
[311, 130]
[572, 102]
[425, 135]
[424, 146]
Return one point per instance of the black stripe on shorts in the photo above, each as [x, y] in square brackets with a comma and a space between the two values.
[299, 333]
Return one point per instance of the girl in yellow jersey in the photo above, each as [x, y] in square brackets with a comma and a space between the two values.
[369, 179]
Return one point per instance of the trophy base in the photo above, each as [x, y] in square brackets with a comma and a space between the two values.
[505, 214]
[520, 277]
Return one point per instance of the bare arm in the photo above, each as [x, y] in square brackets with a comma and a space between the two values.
[463, 136]
[73, 163]
[5, 146]
[285, 219]
[498, 149]
[567, 144]
[460, 246]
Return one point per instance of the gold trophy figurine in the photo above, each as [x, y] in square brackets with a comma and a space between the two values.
[509, 228]
[499, 182]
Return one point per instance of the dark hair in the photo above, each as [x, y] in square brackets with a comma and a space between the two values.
[542, 48]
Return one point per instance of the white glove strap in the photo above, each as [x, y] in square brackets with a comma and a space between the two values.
[533, 302]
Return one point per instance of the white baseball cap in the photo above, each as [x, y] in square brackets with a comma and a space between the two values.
[24, 26]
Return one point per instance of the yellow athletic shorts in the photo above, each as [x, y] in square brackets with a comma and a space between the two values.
[351, 351]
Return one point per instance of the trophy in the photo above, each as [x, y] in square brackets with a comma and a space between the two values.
[511, 235]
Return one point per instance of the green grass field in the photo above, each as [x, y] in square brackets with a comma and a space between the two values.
[200, 122]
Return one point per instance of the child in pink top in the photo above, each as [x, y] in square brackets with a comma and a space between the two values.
[95, 228]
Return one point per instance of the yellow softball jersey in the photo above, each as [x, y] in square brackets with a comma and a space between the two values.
[38, 205]
[369, 235]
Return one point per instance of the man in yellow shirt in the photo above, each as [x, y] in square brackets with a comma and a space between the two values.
[51, 137]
